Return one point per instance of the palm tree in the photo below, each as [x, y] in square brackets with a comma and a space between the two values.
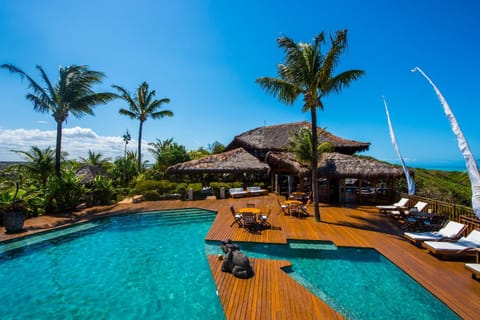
[95, 159]
[309, 73]
[73, 94]
[141, 107]
[300, 143]
[40, 163]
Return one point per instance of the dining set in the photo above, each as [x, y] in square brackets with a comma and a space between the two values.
[296, 204]
[251, 218]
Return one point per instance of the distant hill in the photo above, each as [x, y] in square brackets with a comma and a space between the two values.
[4, 164]
[448, 186]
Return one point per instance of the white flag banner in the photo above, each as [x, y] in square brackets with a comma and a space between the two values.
[410, 183]
[472, 168]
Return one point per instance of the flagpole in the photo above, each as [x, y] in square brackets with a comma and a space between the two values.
[410, 183]
[472, 168]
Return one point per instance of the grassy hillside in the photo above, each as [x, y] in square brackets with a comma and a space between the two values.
[448, 186]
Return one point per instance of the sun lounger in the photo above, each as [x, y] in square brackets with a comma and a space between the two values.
[403, 214]
[451, 231]
[256, 191]
[237, 192]
[465, 246]
[401, 204]
[474, 268]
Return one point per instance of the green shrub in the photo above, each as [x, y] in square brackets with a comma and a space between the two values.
[151, 195]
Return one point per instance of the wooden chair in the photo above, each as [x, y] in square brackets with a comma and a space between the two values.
[237, 217]
[250, 221]
[284, 208]
[263, 219]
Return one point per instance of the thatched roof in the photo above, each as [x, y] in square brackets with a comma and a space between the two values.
[286, 160]
[275, 138]
[88, 172]
[233, 161]
[345, 166]
[336, 165]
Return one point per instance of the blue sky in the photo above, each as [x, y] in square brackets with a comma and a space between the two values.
[205, 56]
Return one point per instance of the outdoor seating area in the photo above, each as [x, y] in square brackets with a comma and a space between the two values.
[250, 218]
[419, 218]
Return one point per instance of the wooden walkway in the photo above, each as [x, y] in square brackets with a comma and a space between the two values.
[271, 289]
[270, 294]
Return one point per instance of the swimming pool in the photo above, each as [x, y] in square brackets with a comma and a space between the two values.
[358, 283]
[139, 266]
[153, 265]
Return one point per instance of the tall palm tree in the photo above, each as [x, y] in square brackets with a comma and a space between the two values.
[309, 73]
[72, 94]
[40, 163]
[142, 106]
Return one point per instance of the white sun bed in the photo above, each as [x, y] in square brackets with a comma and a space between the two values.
[451, 231]
[401, 204]
[474, 268]
[464, 246]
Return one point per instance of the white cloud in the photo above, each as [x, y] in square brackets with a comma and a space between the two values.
[76, 141]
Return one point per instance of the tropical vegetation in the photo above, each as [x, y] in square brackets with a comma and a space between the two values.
[309, 73]
[141, 106]
[73, 94]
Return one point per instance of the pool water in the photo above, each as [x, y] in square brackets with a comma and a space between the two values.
[358, 283]
[140, 266]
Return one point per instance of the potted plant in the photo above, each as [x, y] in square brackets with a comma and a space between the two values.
[13, 211]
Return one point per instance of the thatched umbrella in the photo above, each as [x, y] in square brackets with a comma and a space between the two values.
[233, 161]
[275, 138]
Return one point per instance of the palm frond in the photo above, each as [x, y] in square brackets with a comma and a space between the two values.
[279, 88]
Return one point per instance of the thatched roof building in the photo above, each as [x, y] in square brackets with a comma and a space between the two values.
[345, 166]
[335, 165]
[233, 161]
[275, 138]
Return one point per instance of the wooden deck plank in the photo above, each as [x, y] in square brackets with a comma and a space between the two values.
[256, 298]
[352, 227]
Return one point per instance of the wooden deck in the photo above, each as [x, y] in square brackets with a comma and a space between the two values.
[268, 294]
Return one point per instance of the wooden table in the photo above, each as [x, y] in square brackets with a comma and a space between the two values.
[252, 210]
[294, 206]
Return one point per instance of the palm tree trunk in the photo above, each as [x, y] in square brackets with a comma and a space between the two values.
[58, 148]
[140, 146]
[315, 162]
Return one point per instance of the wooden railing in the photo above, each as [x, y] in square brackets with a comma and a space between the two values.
[452, 211]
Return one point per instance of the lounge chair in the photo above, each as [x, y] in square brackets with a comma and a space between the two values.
[404, 214]
[474, 268]
[237, 217]
[237, 192]
[401, 204]
[465, 246]
[451, 231]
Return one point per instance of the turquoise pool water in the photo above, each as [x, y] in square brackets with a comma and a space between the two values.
[142, 266]
[153, 266]
[358, 283]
